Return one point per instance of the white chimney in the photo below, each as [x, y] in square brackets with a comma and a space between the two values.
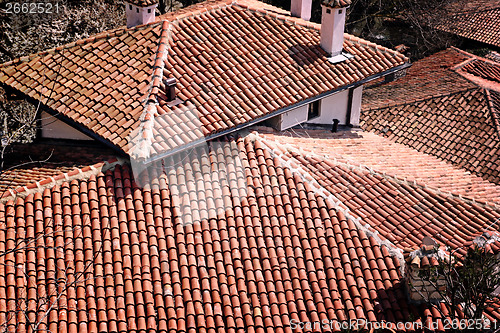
[301, 8]
[332, 25]
[140, 12]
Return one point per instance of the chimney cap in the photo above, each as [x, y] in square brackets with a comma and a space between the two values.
[336, 3]
[143, 3]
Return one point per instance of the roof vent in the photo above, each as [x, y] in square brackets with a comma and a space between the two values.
[170, 85]
[332, 25]
[140, 12]
[301, 8]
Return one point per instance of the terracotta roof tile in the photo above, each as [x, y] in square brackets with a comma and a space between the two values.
[452, 114]
[26, 164]
[430, 76]
[234, 62]
[371, 151]
[336, 3]
[142, 3]
[254, 246]
[401, 211]
[130, 262]
[477, 20]
[486, 70]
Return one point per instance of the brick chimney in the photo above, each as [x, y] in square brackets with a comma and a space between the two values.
[332, 25]
[423, 262]
[301, 8]
[140, 12]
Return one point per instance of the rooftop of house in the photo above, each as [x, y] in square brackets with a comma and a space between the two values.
[388, 187]
[235, 62]
[372, 151]
[478, 20]
[245, 232]
[447, 106]
[260, 242]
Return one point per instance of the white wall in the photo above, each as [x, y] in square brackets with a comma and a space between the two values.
[290, 118]
[332, 29]
[139, 15]
[301, 8]
[332, 107]
[55, 129]
[356, 105]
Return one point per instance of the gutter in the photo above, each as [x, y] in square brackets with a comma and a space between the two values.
[198, 142]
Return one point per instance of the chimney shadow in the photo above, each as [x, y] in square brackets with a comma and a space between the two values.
[306, 55]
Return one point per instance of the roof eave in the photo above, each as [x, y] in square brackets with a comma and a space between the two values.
[198, 142]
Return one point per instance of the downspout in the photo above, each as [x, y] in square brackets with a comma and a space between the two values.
[349, 106]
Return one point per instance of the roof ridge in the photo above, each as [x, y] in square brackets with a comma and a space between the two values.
[423, 99]
[49, 182]
[144, 136]
[285, 16]
[107, 34]
[323, 192]
[414, 183]
[194, 10]
[494, 116]
[399, 180]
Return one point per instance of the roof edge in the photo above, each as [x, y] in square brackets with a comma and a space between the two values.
[49, 182]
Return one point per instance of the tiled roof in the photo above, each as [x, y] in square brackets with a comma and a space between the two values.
[401, 211]
[167, 257]
[457, 128]
[127, 262]
[98, 83]
[486, 70]
[453, 114]
[478, 20]
[370, 150]
[431, 76]
[234, 62]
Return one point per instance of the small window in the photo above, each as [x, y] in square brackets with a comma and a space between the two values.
[137, 9]
[328, 11]
[340, 11]
[149, 10]
[313, 111]
[130, 7]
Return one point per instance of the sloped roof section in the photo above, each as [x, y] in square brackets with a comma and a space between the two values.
[234, 63]
[452, 115]
[457, 128]
[486, 70]
[431, 76]
[401, 211]
[99, 84]
[370, 151]
[26, 164]
[129, 263]
[116, 257]
[477, 20]
[142, 3]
